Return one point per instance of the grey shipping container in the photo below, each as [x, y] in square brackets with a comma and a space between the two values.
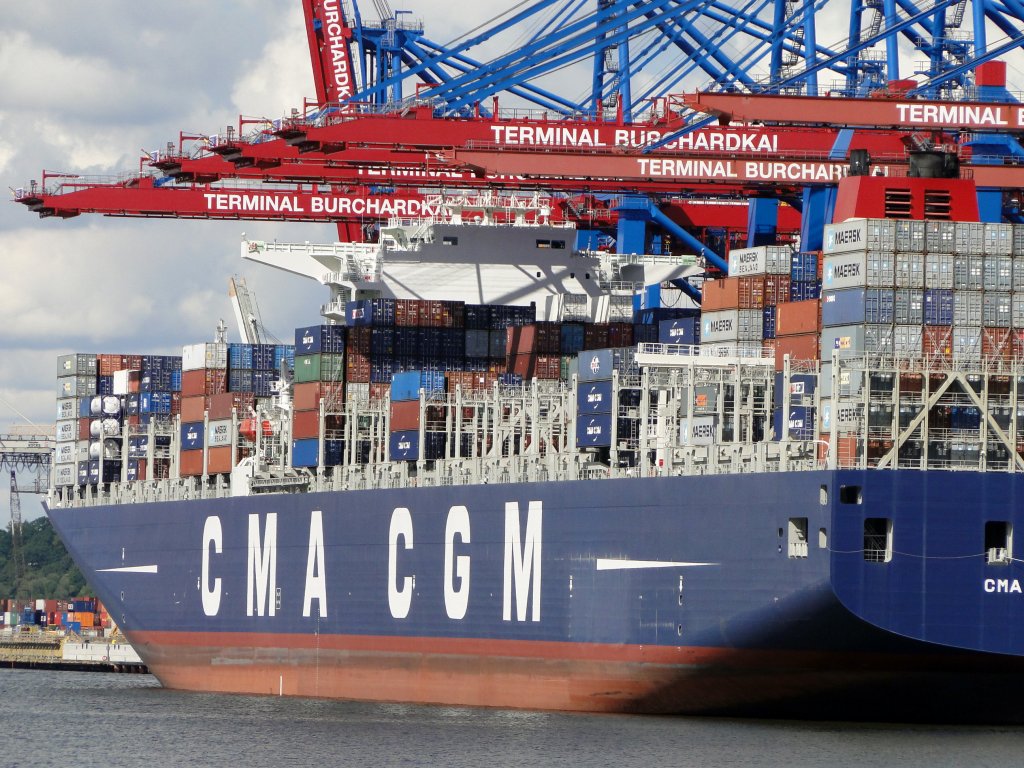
[970, 238]
[909, 306]
[998, 239]
[66, 429]
[850, 382]
[76, 365]
[938, 270]
[846, 339]
[968, 272]
[1018, 273]
[881, 266]
[67, 408]
[968, 308]
[1018, 239]
[910, 236]
[762, 260]
[997, 309]
[998, 272]
[906, 341]
[910, 270]
[967, 343]
[719, 326]
[65, 474]
[940, 236]
[76, 386]
[731, 349]
[1017, 310]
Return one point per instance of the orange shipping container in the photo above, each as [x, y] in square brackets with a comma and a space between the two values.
[722, 293]
[405, 415]
[190, 463]
[797, 317]
[802, 347]
[219, 460]
[193, 408]
[751, 292]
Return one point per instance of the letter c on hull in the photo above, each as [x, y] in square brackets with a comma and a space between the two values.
[399, 600]
[212, 534]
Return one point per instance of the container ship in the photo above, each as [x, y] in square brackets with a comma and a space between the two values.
[515, 489]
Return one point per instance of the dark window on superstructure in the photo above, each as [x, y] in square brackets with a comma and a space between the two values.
[850, 494]
[449, 240]
[558, 245]
[998, 542]
[878, 539]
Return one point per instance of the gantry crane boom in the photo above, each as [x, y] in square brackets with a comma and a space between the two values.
[329, 36]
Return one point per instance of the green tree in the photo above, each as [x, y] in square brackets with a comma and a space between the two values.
[49, 571]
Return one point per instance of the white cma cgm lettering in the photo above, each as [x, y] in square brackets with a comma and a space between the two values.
[522, 564]
[1007, 586]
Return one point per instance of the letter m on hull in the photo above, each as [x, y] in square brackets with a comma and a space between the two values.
[522, 561]
[261, 571]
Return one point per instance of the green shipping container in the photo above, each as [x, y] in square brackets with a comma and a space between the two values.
[322, 367]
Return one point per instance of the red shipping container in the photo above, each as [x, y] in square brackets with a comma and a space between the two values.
[537, 366]
[937, 343]
[768, 345]
[776, 290]
[358, 340]
[802, 347]
[846, 450]
[723, 293]
[175, 403]
[619, 335]
[378, 390]
[205, 381]
[106, 364]
[405, 415]
[996, 344]
[798, 317]
[357, 368]
[141, 474]
[306, 396]
[190, 463]
[219, 460]
[990, 73]
[595, 336]
[306, 424]
[83, 429]
[193, 408]
[544, 337]
[1017, 343]
[133, 421]
[407, 313]
[134, 362]
[750, 292]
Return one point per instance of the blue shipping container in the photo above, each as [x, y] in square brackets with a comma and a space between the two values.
[594, 397]
[801, 385]
[801, 423]
[938, 306]
[768, 322]
[404, 446]
[856, 306]
[191, 435]
[594, 431]
[681, 331]
[305, 453]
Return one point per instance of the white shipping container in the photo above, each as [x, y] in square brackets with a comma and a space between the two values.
[65, 474]
[218, 433]
[838, 414]
[67, 408]
[910, 270]
[731, 349]
[700, 430]
[845, 270]
[67, 429]
[210, 354]
[763, 260]
[998, 239]
[65, 453]
[938, 270]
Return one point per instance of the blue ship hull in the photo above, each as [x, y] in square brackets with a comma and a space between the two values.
[674, 595]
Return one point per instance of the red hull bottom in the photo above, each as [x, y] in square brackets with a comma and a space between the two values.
[584, 677]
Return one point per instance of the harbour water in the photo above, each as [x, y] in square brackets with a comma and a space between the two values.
[72, 718]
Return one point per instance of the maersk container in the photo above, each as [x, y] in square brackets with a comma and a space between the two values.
[699, 430]
[997, 309]
[65, 474]
[762, 260]
[594, 397]
[845, 270]
[938, 306]
[968, 272]
[594, 431]
[681, 331]
[968, 308]
[722, 325]
[847, 236]
[192, 436]
[838, 415]
[938, 270]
